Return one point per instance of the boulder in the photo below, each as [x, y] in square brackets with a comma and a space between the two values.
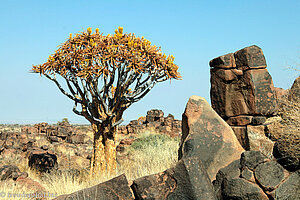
[42, 160]
[187, 180]
[289, 189]
[9, 172]
[242, 189]
[251, 159]
[116, 188]
[207, 136]
[230, 171]
[269, 175]
[250, 58]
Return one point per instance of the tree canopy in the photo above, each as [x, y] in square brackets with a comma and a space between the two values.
[105, 74]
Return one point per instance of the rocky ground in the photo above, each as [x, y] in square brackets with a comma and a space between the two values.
[245, 146]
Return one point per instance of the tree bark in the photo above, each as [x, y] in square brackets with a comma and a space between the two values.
[104, 150]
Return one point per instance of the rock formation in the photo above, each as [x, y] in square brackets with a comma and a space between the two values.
[207, 136]
[242, 93]
[154, 121]
[254, 176]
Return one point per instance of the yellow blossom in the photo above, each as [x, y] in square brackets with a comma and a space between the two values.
[97, 30]
[89, 30]
[120, 29]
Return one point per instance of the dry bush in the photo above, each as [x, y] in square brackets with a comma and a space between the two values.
[286, 131]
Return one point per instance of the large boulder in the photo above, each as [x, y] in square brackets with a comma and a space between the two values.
[41, 160]
[116, 188]
[207, 136]
[241, 84]
[187, 180]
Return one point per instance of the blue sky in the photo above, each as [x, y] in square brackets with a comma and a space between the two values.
[193, 31]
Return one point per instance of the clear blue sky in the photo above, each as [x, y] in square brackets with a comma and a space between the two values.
[193, 31]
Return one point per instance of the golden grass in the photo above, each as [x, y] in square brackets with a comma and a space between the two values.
[150, 153]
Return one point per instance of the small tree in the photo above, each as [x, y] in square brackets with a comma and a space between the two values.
[104, 75]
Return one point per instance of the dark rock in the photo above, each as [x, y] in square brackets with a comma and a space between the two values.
[289, 189]
[230, 171]
[9, 172]
[240, 189]
[250, 58]
[207, 136]
[42, 161]
[187, 180]
[251, 159]
[116, 188]
[269, 175]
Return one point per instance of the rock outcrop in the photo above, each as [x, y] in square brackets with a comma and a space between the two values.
[243, 94]
[187, 180]
[255, 176]
[207, 136]
[154, 121]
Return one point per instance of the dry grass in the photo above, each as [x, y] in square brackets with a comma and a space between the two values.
[286, 131]
[150, 153]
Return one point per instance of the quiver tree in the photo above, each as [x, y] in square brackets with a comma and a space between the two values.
[104, 75]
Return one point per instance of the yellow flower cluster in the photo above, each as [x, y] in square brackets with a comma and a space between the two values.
[113, 49]
[89, 30]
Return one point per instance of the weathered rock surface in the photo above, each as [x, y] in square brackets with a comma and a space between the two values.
[116, 188]
[187, 180]
[251, 159]
[256, 177]
[207, 136]
[269, 175]
[290, 188]
[243, 190]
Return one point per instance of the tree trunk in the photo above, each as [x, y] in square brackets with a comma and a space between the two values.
[104, 150]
